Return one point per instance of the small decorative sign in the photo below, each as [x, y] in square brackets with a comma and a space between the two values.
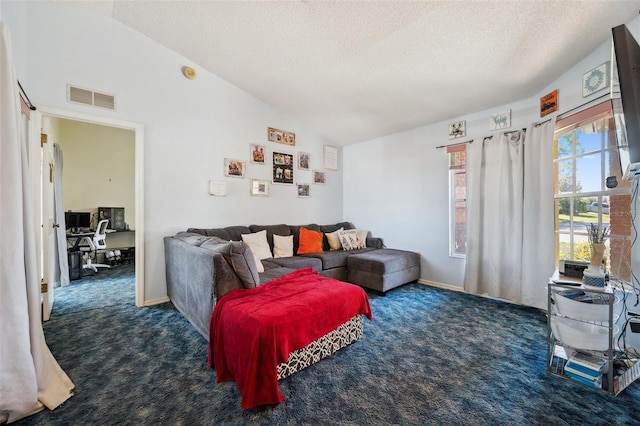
[281, 136]
[549, 103]
[500, 120]
[595, 80]
[457, 130]
[330, 157]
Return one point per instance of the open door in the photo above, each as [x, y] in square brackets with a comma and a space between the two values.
[41, 167]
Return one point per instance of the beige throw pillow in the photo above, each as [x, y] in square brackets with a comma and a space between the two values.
[282, 246]
[334, 240]
[259, 247]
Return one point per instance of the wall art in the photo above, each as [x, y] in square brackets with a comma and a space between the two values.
[234, 168]
[500, 120]
[595, 80]
[319, 177]
[282, 168]
[457, 130]
[281, 136]
[549, 103]
[259, 187]
[330, 157]
[258, 153]
[303, 160]
[304, 190]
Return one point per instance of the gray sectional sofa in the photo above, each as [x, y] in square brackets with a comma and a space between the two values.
[204, 264]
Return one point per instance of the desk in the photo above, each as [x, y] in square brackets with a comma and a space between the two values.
[74, 238]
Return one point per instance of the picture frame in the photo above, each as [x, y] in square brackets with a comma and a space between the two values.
[549, 103]
[457, 129]
[281, 136]
[235, 168]
[319, 177]
[258, 154]
[500, 120]
[595, 80]
[259, 187]
[330, 157]
[282, 168]
[304, 160]
[304, 190]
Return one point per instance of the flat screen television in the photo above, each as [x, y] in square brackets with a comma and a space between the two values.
[625, 99]
[77, 220]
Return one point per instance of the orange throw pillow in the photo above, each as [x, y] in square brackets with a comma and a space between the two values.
[310, 241]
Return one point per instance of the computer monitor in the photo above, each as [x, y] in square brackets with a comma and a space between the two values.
[77, 220]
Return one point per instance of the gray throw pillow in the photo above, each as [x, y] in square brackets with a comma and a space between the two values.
[239, 257]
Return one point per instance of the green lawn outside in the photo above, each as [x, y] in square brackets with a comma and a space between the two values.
[584, 217]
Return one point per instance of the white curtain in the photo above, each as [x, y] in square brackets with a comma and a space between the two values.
[30, 377]
[538, 233]
[494, 216]
[510, 232]
[60, 247]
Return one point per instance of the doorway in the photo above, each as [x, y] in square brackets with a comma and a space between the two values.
[135, 220]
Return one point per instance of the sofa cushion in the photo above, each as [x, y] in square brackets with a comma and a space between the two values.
[282, 246]
[213, 232]
[239, 257]
[193, 238]
[309, 241]
[271, 231]
[258, 245]
[350, 240]
[333, 240]
[295, 231]
[327, 229]
[273, 273]
[236, 232]
[337, 258]
[299, 262]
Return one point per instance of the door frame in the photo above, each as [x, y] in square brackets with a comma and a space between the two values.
[138, 129]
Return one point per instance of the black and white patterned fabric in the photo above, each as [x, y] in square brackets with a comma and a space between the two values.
[344, 335]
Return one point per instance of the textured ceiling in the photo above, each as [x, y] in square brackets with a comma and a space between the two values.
[357, 70]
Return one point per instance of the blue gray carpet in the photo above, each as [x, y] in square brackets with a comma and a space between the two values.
[430, 356]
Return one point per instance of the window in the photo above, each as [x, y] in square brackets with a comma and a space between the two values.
[458, 200]
[585, 155]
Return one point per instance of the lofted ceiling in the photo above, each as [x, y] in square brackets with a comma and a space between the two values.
[357, 70]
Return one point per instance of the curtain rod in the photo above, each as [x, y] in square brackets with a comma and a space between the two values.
[584, 104]
[31, 106]
[454, 144]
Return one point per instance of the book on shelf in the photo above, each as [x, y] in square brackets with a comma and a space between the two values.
[586, 365]
[594, 383]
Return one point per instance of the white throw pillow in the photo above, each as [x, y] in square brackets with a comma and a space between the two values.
[349, 240]
[282, 246]
[362, 235]
[334, 240]
[259, 247]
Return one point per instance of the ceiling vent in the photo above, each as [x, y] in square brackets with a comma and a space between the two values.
[90, 97]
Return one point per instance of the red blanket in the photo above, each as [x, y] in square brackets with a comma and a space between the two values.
[252, 331]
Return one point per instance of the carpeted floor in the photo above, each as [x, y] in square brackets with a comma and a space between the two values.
[429, 356]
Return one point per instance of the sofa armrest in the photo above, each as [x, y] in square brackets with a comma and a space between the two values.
[375, 242]
[190, 276]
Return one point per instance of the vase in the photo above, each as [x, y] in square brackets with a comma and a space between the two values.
[597, 254]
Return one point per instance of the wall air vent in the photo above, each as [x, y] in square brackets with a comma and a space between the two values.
[90, 97]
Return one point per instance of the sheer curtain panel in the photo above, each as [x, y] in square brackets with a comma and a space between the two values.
[30, 377]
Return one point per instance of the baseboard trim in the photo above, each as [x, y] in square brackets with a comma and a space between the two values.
[441, 285]
[156, 301]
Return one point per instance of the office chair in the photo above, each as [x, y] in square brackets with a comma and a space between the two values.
[97, 243]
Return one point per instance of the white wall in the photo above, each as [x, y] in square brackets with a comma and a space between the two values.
[190, 125]
[397, 185]
[99, 167]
